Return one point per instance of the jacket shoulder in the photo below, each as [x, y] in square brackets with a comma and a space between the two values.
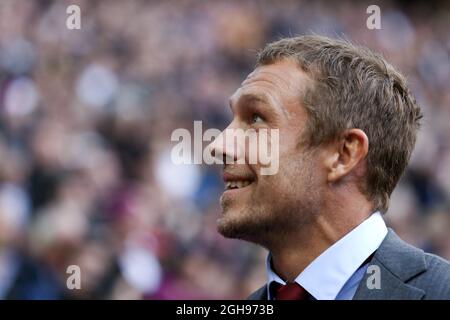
[407, 273]
[435, 281]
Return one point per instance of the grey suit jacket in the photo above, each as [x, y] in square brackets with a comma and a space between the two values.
[406, 273]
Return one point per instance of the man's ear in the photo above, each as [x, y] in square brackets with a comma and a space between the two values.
[346, 153]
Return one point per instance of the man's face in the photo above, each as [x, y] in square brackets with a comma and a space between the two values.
[259, 207]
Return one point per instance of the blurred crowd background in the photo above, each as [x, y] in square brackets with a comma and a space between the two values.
[85, 122]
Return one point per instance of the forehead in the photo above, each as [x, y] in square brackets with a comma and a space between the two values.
[282, 81]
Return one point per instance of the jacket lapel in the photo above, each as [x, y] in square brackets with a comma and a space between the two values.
[397, 262]
[260, 294]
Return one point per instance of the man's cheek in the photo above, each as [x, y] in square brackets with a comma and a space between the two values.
[269, 151]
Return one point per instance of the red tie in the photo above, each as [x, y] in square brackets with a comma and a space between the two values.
[290, 291]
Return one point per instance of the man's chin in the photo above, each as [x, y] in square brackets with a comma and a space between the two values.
[230, 226]
[238, 225]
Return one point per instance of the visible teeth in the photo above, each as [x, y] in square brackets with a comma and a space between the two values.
[237, 184]
[245, 183]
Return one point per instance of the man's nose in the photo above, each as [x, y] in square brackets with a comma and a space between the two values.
[226, 147]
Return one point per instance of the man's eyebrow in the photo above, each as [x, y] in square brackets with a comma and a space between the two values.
[249, 97]
[255, 97]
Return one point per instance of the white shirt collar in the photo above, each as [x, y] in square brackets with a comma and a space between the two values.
[325, 276]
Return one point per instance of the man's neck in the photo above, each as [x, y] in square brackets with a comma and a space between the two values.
[299, 249]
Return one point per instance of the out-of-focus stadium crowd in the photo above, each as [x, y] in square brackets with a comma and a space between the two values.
[86, 118]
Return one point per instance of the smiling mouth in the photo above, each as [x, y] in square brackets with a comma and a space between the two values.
[238, 184]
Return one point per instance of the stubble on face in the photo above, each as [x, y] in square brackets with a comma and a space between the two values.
[277, 206]
[280, 206]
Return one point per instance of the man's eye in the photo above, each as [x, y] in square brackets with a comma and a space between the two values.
[256, 118]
